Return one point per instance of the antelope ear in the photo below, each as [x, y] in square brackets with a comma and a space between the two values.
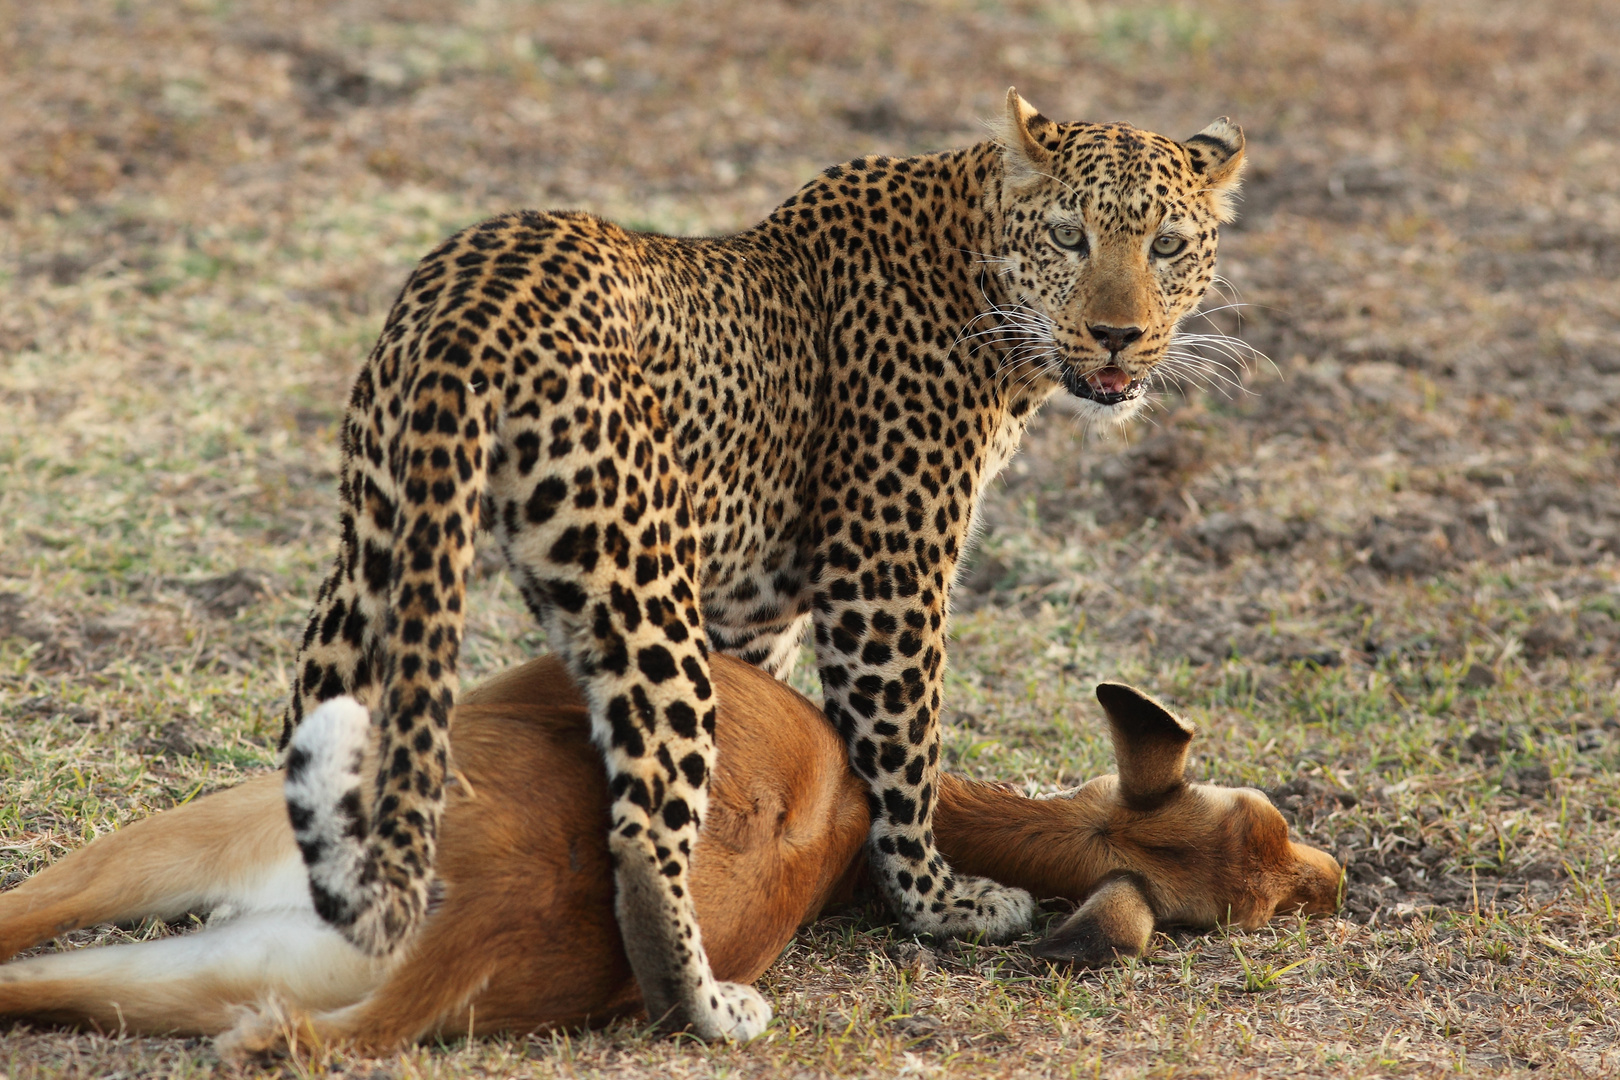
[1024, 157]
[1150, 745]
[1216, 153]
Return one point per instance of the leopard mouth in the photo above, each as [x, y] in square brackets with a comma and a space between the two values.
[1108, 386]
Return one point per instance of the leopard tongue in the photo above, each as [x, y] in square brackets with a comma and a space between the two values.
[1110, 380]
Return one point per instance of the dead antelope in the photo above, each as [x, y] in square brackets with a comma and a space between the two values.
[523, 935]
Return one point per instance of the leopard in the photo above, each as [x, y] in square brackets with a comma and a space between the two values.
[732, 444]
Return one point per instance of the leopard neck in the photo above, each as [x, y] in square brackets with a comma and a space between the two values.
[928, 227]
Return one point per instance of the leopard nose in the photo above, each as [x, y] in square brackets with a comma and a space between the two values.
[1115, 338]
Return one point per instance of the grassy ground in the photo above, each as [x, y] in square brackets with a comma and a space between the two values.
[1382, 577]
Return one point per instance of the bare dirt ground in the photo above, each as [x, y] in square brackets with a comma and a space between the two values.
[1381, 576]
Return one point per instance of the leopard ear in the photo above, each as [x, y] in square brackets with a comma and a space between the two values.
[1024, 157]
[1150, 745]
[1217, 154]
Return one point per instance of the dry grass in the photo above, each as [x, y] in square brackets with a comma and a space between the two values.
[1382, 578]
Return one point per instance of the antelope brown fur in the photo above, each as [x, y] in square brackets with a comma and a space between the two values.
[524, 935]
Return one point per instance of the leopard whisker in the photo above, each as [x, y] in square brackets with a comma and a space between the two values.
[1205, 313]
[1040, 362]
[1012, 371]
[1232, 356]
[1205, 374]
[982, 259]
[1210, 365]
[1234, 363]
[1234, 348]
[1046, 366]
[1228, 291]
[1010, 341]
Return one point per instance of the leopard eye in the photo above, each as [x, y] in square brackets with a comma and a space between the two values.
[1068, 237]
[1169, 244]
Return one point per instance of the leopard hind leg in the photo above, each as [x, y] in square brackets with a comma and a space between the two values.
[387, 625]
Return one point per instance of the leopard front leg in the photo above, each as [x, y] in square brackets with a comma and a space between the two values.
[880, 646]
[593, 515]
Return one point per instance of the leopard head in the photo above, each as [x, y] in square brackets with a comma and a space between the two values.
[1108, 237]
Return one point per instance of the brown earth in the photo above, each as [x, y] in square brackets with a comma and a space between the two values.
[1381, 572]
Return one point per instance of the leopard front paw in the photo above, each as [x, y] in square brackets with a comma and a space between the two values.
[735, 1011]
[971, 906]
